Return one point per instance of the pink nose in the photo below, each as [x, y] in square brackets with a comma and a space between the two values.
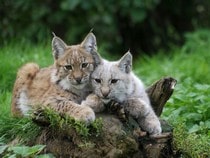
[105, 92]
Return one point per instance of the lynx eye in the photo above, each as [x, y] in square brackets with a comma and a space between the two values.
[114, 81]
[97, 80]
[84, 65]
[67, 67]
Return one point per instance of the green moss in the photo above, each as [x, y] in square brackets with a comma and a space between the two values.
[66, 123]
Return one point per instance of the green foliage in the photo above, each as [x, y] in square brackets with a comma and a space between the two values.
[12, 128]
[197, 42]
[8, 151]
[19, 151]
[191, 99]
[13, 56]
[190, 145]
[136, 24]
[96, 127]
[5, 99]
[191, 105]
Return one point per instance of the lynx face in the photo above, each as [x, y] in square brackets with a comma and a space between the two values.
[74, 64]
[74, 68]
[110, 80]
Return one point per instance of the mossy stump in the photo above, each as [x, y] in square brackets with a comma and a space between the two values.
[117, 138]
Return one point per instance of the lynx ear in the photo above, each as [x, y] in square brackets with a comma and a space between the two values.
[97, 58]
[58, 46]
[125, 63]
[89, 43]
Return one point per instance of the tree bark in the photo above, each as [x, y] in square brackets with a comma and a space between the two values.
[160, 92]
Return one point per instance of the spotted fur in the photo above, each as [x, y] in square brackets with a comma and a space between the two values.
[61, 86]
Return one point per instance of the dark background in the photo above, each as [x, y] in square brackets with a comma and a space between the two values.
[143, 26]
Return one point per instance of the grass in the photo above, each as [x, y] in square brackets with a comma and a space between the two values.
[187, 110]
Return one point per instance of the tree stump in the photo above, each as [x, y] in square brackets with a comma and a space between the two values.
[159, 147]
[118, 139]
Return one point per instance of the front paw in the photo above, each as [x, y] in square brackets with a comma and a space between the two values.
[94, 102]
[154, 129]
[150, 125]
[113, 106]
[85, 114]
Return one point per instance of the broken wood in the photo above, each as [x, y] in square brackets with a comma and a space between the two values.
[160, 92]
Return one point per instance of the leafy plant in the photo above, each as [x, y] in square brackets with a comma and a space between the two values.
[190, 144]
[8, 151]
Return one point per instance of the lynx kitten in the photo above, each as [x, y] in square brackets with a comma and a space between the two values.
[115, 81]
[61, 86]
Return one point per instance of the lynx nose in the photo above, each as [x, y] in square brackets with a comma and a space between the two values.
[105, 92]
[78, 80]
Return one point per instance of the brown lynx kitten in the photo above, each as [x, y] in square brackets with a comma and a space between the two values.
[61, 86]
[115, 81]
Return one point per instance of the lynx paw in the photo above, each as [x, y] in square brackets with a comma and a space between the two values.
[154, 129]
[85, 114]
[151, 125]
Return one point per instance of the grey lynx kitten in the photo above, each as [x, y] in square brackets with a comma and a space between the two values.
[61, 86]
[115, 81]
